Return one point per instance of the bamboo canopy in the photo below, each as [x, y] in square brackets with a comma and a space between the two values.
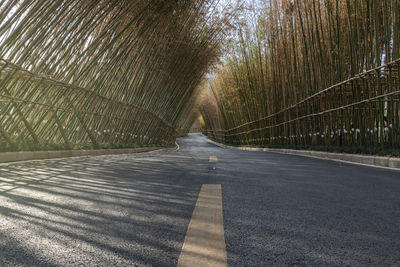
[81, 73]
[311, 73]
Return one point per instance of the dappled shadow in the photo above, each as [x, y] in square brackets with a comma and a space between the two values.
[108, 210]
[135, 209]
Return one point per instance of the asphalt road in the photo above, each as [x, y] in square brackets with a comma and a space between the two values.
[134, 210]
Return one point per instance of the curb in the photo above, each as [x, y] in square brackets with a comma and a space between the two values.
[54, 154]
[374, 161]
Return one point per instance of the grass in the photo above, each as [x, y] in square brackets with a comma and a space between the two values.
[32, 146]
[386, 150]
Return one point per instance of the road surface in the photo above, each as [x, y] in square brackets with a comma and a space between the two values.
[134, 210]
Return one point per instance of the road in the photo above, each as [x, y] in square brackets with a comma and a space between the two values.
[134, 210]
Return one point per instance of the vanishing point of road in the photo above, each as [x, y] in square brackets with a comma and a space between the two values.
[148, 209]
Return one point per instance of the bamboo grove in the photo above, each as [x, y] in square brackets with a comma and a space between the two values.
[107, 73]
[311, 73]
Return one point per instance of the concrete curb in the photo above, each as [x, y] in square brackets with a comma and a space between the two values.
[37, 155]
[375, 161]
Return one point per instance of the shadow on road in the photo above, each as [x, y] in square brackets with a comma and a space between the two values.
[95, 210]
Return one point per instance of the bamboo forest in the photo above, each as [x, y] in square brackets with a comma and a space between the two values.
[271, 73]
[305, 73]
[190, 133]
[82, 74]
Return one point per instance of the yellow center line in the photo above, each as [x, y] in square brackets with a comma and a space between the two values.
[204, 243]
[213, 159]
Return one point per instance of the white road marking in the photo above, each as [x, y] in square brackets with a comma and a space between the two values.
[204, 243]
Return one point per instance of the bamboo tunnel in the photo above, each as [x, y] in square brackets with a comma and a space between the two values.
[305, 73]
[109, 73]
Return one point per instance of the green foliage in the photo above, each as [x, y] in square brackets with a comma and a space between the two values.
[296, 50]
[112, 73]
